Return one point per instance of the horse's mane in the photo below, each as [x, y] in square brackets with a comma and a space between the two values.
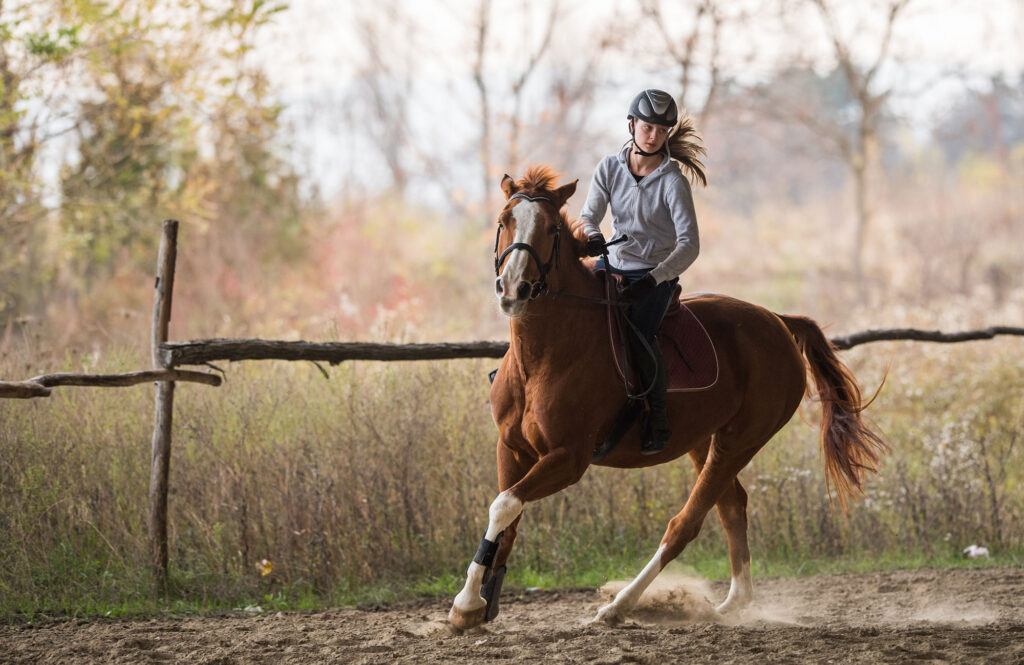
[542, 179]
[538, 178]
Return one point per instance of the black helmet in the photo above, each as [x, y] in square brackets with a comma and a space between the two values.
[655, 106]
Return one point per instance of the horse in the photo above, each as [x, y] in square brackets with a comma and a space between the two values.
[557, 394]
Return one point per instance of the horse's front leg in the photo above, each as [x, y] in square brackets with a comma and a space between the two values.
[469, 608]
[554, 471]
[487, 569]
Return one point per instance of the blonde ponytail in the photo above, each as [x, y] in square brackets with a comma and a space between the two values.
[687, 146]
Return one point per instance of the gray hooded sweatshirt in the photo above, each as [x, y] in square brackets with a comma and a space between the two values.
[656, 213]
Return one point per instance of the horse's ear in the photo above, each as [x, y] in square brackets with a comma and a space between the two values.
[508, 185]
[563, 193]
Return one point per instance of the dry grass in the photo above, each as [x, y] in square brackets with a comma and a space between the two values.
[379, 478]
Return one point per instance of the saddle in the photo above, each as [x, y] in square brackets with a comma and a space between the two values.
[688, 352]
[690, 357]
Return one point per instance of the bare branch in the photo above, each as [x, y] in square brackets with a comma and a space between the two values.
[716, 42]
[520, 83]
[483, 25]
[915, 335]
[40, 386]
[883, 50]
[22, 389]
[125, 379]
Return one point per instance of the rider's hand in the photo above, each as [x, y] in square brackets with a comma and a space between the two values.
[639, 289]
[595, 245]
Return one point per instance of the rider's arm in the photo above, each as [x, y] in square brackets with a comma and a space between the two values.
[597, 201]
[684, 219]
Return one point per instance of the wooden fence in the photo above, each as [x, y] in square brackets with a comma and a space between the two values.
[167, 356]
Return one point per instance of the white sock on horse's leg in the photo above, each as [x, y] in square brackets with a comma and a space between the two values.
[741, 591]
[626, 600]
[503, 511]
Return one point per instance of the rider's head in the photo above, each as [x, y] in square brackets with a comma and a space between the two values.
[652, 115]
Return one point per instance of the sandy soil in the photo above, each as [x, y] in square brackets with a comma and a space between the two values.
[944, 616]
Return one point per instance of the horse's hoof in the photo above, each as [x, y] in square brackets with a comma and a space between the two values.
[608, 615]
[462, 619]
[732, 607]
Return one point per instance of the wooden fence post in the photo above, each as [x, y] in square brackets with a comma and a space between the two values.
[161, 450]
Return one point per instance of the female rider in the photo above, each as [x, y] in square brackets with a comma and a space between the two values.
[650, 203]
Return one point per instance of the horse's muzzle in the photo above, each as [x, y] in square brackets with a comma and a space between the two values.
[512, 307]
[524, 290]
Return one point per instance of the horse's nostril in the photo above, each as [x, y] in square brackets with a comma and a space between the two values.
[523, 291]
[498, 287]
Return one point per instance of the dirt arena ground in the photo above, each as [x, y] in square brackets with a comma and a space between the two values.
[925, 616]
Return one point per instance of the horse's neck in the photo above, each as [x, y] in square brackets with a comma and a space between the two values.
[563, 326]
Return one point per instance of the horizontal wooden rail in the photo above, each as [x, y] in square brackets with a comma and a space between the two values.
[915, 335]
[40, 386]
[22, 389]
[199, 351]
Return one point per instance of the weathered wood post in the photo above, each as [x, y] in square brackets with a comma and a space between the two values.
[161, 451]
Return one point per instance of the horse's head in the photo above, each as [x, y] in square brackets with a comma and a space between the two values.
[530, 231]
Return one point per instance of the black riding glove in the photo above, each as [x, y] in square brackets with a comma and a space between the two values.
[595, 245]
[640, 289]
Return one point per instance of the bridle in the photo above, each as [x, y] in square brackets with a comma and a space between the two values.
[541, 285]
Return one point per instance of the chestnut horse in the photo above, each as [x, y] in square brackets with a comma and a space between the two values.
[557, 394]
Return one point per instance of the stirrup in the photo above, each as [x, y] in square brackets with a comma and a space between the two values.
[654, 444]
[654, 439]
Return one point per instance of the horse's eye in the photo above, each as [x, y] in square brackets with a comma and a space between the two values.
[553, 229]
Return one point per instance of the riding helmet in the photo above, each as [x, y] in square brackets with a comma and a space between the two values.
[655, 106]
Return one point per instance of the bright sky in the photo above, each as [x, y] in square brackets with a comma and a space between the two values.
[318, 35]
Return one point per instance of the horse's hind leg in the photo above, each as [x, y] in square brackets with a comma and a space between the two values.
[732, 511]
[714, 479]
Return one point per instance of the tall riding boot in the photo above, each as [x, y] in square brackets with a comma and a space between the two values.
[657, 431]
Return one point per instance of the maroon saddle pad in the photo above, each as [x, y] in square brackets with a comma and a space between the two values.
[687, 349]
[692, 363]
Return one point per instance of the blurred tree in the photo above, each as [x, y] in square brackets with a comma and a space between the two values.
[984, 121]
[381, 99]
[132, 140]
[115, 114]
[177, 123]
[529, 53]
[848, 113]
[257, 197]
[30, 50]
[527, 70]
[696, 47]
[481, 31]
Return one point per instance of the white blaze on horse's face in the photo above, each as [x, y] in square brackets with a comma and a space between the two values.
[512, 286]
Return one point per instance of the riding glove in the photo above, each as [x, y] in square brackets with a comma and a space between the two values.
[638, 290]
[595, 245]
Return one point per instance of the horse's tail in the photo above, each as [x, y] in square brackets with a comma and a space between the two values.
[850, 448]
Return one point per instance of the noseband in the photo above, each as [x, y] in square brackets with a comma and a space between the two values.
[541, 285]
